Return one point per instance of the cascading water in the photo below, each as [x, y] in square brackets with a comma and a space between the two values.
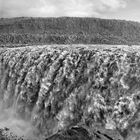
[48, 89]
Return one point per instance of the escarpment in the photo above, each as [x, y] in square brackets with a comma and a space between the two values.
[60, 88]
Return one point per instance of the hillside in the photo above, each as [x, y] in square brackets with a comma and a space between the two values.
[68, 30]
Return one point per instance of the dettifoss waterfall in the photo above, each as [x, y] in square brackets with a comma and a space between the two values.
[48, 89]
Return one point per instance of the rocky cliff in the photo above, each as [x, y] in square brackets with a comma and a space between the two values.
[60, 88]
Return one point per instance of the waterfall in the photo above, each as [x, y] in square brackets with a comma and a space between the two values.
[47, 89]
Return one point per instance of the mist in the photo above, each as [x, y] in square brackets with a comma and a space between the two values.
[16, 125]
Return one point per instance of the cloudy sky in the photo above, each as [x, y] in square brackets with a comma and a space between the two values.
[116, 9]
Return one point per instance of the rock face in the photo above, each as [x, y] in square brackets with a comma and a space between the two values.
[59, 87]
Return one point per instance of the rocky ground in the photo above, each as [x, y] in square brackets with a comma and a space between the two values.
[5, 134]
[75, 133]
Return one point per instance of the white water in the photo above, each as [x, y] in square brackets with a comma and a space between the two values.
[16, 125]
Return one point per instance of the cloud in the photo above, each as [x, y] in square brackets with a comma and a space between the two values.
[113, 4]
[49, 8]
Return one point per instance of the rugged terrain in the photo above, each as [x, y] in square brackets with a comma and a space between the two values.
[71, 91]
[68, 30]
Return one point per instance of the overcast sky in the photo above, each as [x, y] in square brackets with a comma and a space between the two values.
[116, 9]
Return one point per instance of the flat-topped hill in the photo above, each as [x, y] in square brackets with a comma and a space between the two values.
[68, 30]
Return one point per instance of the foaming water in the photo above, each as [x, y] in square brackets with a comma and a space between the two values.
[16, 125]
[46, 90]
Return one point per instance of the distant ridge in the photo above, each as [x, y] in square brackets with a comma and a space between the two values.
[68, 30]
